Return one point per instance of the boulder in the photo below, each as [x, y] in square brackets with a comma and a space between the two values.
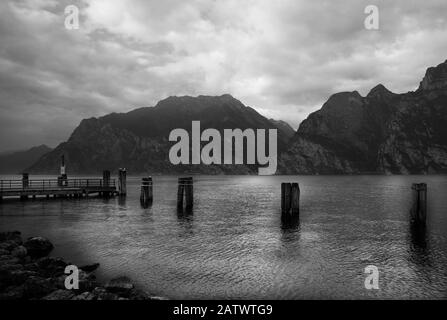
[59, 282]
[5, 279]
[87, 282]
[60, 295]
[38, 247]
[19, 252]
[85, 296]
[18, 277]
[122, 286]
[103, 294]
[8, 245]
[11, 236]
[51, 267]
[31, 266]
[8, 259]
[37, 287]
[90, 267]
[13, 293]
[158, 298]
[10, 266]
[136, 294]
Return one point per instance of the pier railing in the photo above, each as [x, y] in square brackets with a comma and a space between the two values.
[51, 184]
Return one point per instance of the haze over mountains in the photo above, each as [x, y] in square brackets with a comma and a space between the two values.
[16, 162]
[383, 132]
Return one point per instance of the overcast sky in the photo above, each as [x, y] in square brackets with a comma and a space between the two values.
[284, 58]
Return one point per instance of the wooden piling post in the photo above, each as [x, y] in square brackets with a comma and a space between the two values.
[151, 190]
[295, 201]
[25, 184]
[185, 193]
[25, 180]
[106, 178]
[105, 183]
[122, 182]
[180, 192]
[146, 192]
[290, 198]
[419, 208]
[189, 194]
[286, 190]
[62, 180]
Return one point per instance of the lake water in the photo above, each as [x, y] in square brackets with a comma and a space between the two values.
[234, 245]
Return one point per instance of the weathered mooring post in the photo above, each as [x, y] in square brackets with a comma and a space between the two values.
[290, 199]
[146, 196]
[180, 193]
[25, 184]
[295, 202]
[25, 180]
[105, 182]
[122, 188]
[62, 179]
[419, 208]
[189, 194]
[286, 189]
[185, 191]
[106, 178]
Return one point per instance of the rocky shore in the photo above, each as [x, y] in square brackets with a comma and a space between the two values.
[27, 272]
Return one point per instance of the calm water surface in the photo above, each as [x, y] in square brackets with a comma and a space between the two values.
[234, 245]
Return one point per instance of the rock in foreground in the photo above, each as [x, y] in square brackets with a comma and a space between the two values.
[27, 273]
[38, 247]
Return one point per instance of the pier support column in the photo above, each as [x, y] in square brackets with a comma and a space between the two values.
[25, 180]
[146, 196]
[419, 208]
[63, 179]
[290, 199]
[180, 193]
[189, 194]
[122, 182]
[105, 183]
[295, 202]
[25, 185]
[106, 178]
[286, 190]
[185, 192]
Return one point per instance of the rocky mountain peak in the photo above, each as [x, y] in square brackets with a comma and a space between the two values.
[202, 100]
[379, 91]
[343, 102]
[435, 78]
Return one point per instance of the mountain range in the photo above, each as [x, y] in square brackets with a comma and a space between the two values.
[138, 140]
[383, 132]
[15, 162]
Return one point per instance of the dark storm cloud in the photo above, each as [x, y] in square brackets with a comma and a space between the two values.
[284, 58]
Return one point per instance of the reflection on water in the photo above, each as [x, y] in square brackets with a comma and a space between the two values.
[290, 222]
[185, 220]
[419, 250]
[418, 234]
[122, 201]
[235, 244]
